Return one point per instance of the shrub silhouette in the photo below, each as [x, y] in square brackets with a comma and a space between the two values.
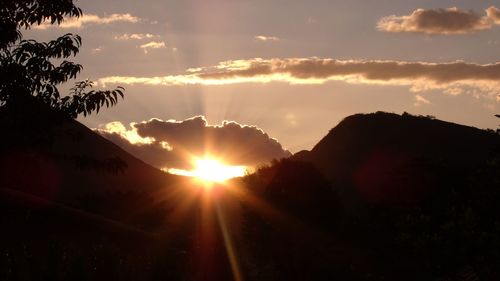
[297, 188]
[286, 250]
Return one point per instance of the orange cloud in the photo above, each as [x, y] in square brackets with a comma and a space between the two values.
[441, 21]
[89, 19]
[420, 100]
[419, 76]
[134, 36]
[494, 14]
[171, 144]
[266, 38]
[152, 45]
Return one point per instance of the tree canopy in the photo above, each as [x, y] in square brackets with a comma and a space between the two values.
[36, 69]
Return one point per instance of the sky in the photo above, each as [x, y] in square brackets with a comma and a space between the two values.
[283, 72]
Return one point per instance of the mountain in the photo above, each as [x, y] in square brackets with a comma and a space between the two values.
[381, 197]
[415, 198]
[58, 160]
[386, 158]
[74, 206]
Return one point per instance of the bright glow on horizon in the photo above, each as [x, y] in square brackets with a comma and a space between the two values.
[211, 170]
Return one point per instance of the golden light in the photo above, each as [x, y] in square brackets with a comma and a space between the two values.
[211, 170]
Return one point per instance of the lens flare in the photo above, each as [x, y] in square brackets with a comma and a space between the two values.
[211, 170]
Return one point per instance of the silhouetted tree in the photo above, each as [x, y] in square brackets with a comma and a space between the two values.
[298, 188]
[285, 248]
[27, 67]
[498, 116]
[32, 108]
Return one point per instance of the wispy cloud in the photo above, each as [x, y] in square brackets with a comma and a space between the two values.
[266, 38]
[419, 76]
[441, 21]
[89, 19]
[96, 50]
[152, 45]
[135, 36]
[420, 100]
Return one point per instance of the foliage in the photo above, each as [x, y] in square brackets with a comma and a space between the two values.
[51, 243]
[287, 247]
[297, 188]
[498, 130]
[452, 232]
[16, 14]
[29, 68]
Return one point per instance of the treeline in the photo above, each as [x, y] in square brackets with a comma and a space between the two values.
[451, 232]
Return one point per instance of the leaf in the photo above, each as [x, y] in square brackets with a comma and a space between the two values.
[30, 63]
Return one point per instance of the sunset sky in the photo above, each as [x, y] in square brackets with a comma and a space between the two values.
[292, 69]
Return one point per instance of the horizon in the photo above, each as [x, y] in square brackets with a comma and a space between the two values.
[293, 74]
[249, 140]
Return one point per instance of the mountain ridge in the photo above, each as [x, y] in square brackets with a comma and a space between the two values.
[363, 150]
[46, 154]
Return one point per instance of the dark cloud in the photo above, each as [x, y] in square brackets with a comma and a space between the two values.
[373, 70]
[172, 144]
[452, 77]
[441, 21]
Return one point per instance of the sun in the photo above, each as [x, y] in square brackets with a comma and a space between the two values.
[213, 170]
[210, 170]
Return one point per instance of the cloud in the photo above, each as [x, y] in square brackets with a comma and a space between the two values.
[152, 45]
[172, 144]
[135, 36]
[493, 13]
[266, 38]
[420, 100]
[419, 76]
[119, 129]
[441, 21]
[89, 19]
[96, 50]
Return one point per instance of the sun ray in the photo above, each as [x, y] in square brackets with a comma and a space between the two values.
[230, 249]
[210, 170]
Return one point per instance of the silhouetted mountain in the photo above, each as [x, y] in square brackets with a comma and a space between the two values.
[381, 197]
[385, 158]
[49, 155]
[418, 201]
[74, 206]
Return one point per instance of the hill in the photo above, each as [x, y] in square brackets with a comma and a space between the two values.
[381, 197]
[49, 155]
[74, 206]
[385, 158]
[411, 198]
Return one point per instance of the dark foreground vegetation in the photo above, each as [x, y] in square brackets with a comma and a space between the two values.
[391, 205]
[410, 198]
[381, 197]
